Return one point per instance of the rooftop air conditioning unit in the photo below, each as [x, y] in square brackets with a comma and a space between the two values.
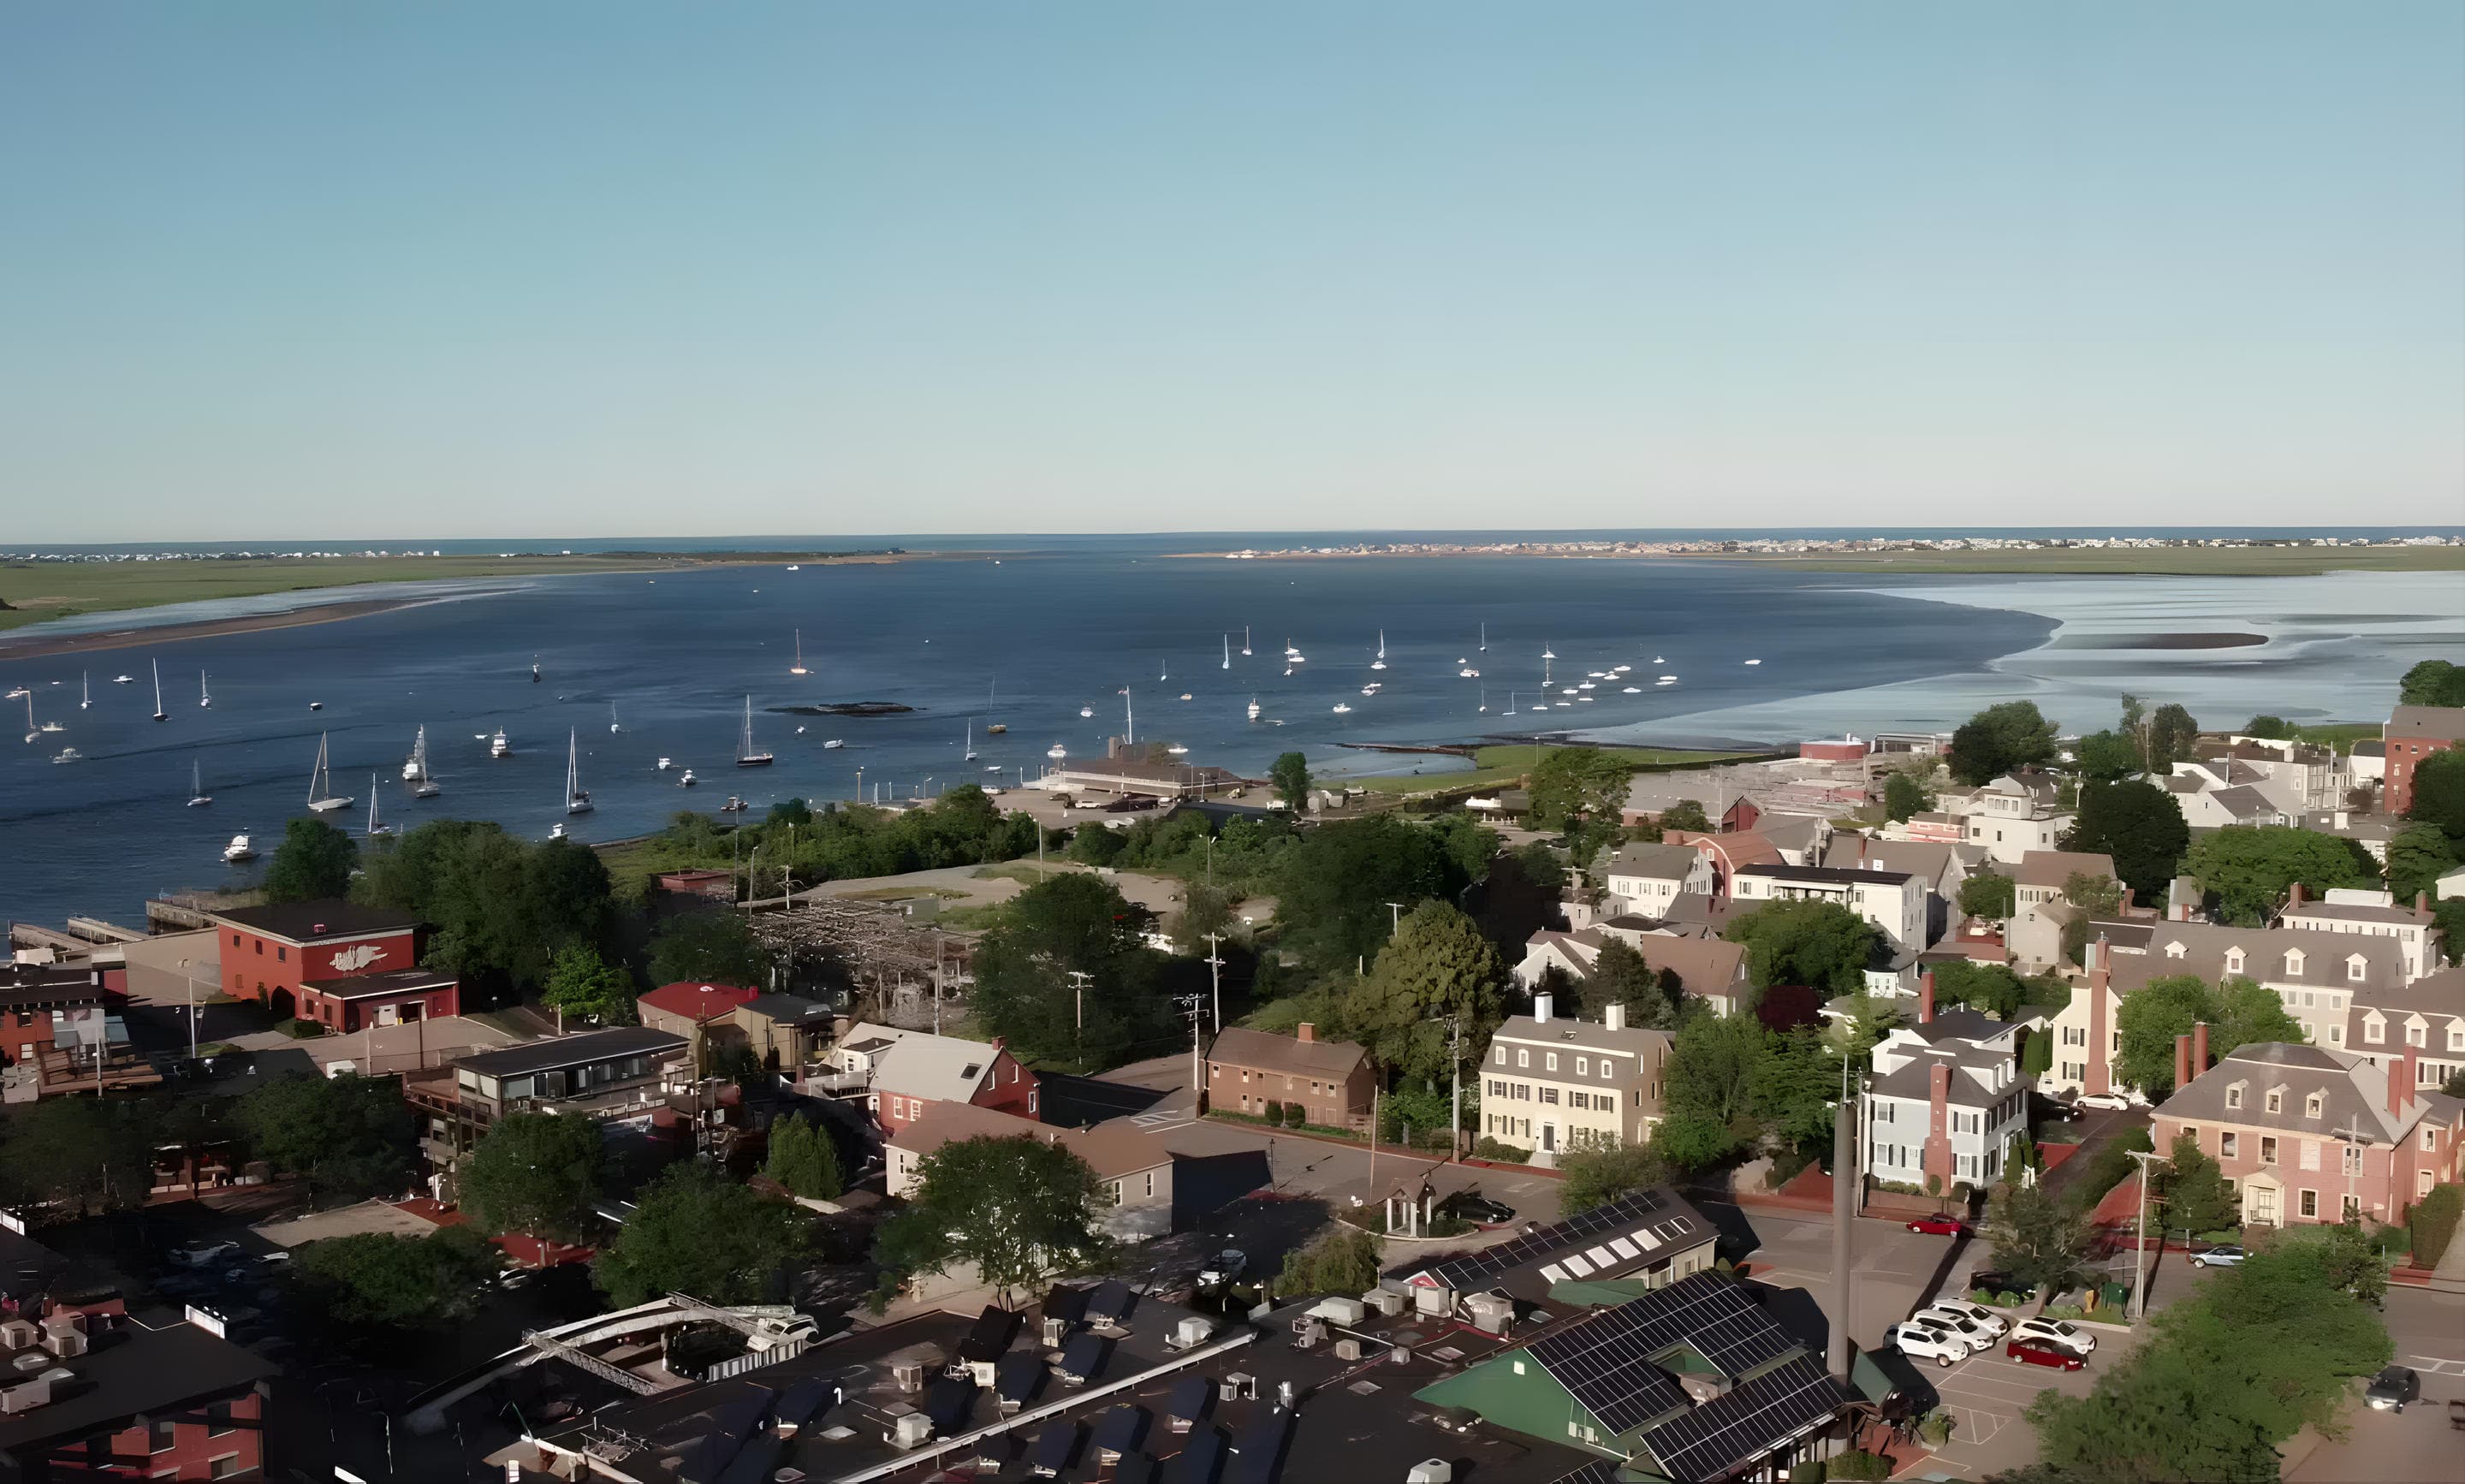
[1346, 1312]
[1436, 1300]
[908, 1374]
[25, 1398]
[1307, 1332]
[1386, 1300]
[1240, 1387]
[1348, 1349]
[65, 1342]
[912, 1431]
[17, 1333]
[1430, 1470]
[1192, 1332]
[1401, 1355]
[1056, 1331]
[981, 1372]
[1492, 1313]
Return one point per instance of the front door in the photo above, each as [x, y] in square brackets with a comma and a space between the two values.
[2263, 1206]
[1549, 1136]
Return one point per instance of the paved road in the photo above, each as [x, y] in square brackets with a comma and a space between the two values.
[2429, 1332]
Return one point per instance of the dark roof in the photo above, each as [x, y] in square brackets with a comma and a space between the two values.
[1671, 1223]
[1836, 875]
[141, 1364]
[48, 985]
[2434, 723]
[1285, 1053]
[1915, 1081]
[1750, 1420]
[1961, 1022]
[572, 1051]
[383, 983]
[313, 921]
[787, 1007]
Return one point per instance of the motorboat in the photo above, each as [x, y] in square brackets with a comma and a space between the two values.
[1468, 673]
[131, 679]
[1086, 711]
[996, 728]
[1665, 680]
[734, 806]
[1056, 752]
[1754, 662]
[1620, 669]
[238, 850]
[322, 799]
[556, 832]
[1254, 708]
[1178, 750]
[834, 745]
[800, 731]
[747, 753]
[1342, 709]
[663, 764]
[1372, 689]
[1185, 696]
[68, 755]
[1585, 686]
[316, 706]
[1631, 690]
[1566, 690]
[686, 780]
[198, 798]
[501, 745]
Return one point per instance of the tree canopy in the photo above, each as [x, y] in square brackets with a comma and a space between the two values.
[2418, 855]
[587, 988]
[349, 1136]
[2434, 683]
[1904, 796]
[2172, 733]
[1335, 883]
[1075, 922]
[2139, 825]
[397, 1282]
[2249, 868]
[1596, 1177]
[2037, 1238]
[1996, 988]
[1291, 775]
[2191, 1192]
[1579, 781]
[1343, 1260]
[1621, 976]
[314, 860]
[1437, 971]
[1817, 943]
[1729, 1082]
[714, 947]
[804, 1158]
[1015, 1211]
[2013, 734]
[693, 1231]
[499, 907]
[2107, 757]
[2439, 794]
[2240, 1013]
[534, 1173]
[1990, 896]
[68, 1157]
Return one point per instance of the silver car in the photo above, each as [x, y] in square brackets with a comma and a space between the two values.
[1979, 1314]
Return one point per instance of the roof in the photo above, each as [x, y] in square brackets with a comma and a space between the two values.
[1829, 875]
[2245, 801]
[1660, 862]
[1285, 1053]
[383, 984]
[2369, 747]
[1914, 1080]
[1710, 966]
[1626, 1235]
[572, 1051]
[2354, 1093]
[1928, 860]
[2201, 948]
[48, 985]
[920, 1064]
[315, 921]
[1960, 1023]
[1112, 1149]
[2425, 724]
[1728, 851]
[2053, 868]
[2434, 996]
[2350, 912]
[1797, 833]
[791, 1008]
[698, 1002]
[1648, 1046]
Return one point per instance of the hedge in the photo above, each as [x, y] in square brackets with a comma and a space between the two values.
[2434, 1222]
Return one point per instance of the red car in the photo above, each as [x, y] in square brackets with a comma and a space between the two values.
[1941, 1226]
[2030, 1353]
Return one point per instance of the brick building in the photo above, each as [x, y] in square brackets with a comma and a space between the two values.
[2412, 734]
[337, 963]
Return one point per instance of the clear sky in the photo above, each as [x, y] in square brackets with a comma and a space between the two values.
[597, 268]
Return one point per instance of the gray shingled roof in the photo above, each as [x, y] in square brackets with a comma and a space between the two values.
[2355, 1093]
[1657, 862]
[2428, 724]
[2205, 944]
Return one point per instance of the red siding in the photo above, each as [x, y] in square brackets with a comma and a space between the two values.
[195, 1444]
[255, 965]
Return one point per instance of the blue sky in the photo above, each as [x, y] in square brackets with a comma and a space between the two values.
[279, 271]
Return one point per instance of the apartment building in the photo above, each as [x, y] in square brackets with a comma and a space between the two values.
[1892, 902]
[1645, 880]
[2013, 815]
[2372, 915]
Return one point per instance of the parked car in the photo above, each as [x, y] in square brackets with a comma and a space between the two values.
[206, 1254]
[183, 1286]
[2219, 1258]
[2061, 1332]
[1225, 1267]
[2391, 1389]
[1477, 1208]
[2108, 1101]
[1994, 1280]
[1941, 1226]
[2068, 1112]
[1921, 1343]
[2031, 1353]
[1973, 1336]
[1979, 1314]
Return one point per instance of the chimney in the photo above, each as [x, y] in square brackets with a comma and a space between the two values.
[2182, 1060]
[2422, 904]
[2182, 911]
[1306, 1031]
[2124, 910]
[2199, 1047]
[2401, 1075]
[1925, 998]
[1541, 1005]
[1613, 1017]
[2294, 895]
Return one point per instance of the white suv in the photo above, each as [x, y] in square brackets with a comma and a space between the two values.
[1979, 1314]
[1919, 1342]
[2058, 1333]
[1952, 1327]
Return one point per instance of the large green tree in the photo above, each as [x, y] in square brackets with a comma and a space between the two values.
[1596, 1177]
[1904, 796]
[1621, 976]
[1708, 1087]
[2173, 734]
[2013, 734]
[396, 1282]
[804, 1158]
[537, 1174]
[1013, 1210]
[499, 907]
[2433, 682]
[2240, 1013]
[714, 947]
[348, 1135]
[2192, 1193]
[586, 987]
[693, 1231]
[2037, 1238]
[1990, 896]
[1074, 923]
[1579, 781]
[2108, 757]
[1291, 775]
[2140, 826]
[2250, 869]
[1336, 882]
[1343, 1260]
[314, 860]
[1437, 972]
[62, 1157]
[1817, 943]
[2418, 855]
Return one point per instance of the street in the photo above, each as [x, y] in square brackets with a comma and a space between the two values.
[2428, 1331]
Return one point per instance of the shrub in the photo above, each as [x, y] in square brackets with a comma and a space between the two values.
[1859, 1467]
[2435, 1223]
[1295, 1115]
[1272, 1115]
[1805, 1470]
[1505, 1154]
[1937, 1428]
[2009, 1299]
[303, 1029]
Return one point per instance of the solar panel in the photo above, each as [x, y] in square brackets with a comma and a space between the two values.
[1054, 1447]
[1598, 1472]
[947, 1401]
[1621, 1215]
[1200, 1462]
[1605, 1360]
[1710, 1441]
[1018, 1375]
[1113, 1301]
[1259, 1454]
[1064, 1302]
[1121, 1429]
[1625, 1248]
[1189, 1397]
[1083, 1358]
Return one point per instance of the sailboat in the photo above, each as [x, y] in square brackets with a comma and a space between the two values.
[1510, 704]
[798, 667]
[376, 830]
[1484, 638]
[85, 691]
[577, 798]
[1380, 663]
[501, 745]
[535, 674]
[971, 741]
[198, 798]
[1245, 642]
[31, 730]
[320, 782]
[1484, 697]
[746, 756]
[414, 769]
[205, 698]
[160, 715]
[1227, 651]
[611, 717]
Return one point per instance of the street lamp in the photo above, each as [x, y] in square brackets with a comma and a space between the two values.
[1397, 923]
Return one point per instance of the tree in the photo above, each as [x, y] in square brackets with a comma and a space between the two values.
[2106, 757]
[2036, 1239]
[1015, 1210]
[2439, 794]
[1904, 796]
[1622, 976]
[2241, 1013]
[1817, 943]
[1596, 1177]
[715, 947]
[1335, 882]
[1992, 988]
[2250, 869]
[695, 1231]
[2448, 917]
[1342, 1261]
[2139, 825]
[2455, 1086]
[1795, 1088]
[2434, 683]
[349, 1136]
[314, 860]
[2418, 855]
[501, 907]
[1685, 815]
[1097, 845]
[1989, 896]
[69, 1157]
[1291, 776]
[2013, 734]
[1437, 971]
[1579, 781]
[2192, 1193]
[1061, 925]
[2275, 728]
[397, 1282]
[536, 1174]
[579, 984]
[1710, 1081]
[804, 1160]
[2172, 733]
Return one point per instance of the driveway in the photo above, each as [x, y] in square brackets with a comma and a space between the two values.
[2102, 1127]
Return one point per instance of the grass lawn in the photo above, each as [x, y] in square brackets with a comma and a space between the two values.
[2163, 562]
[1510, 762]
[630, 864]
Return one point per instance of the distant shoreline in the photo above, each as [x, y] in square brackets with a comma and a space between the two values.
[2180, 560]
[41, 647]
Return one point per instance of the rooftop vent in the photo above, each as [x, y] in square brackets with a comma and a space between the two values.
[1430, 1470]
[912, 1430]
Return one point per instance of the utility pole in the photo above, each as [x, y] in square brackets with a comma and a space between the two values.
[1455, 1088]
[2140, 1243]
[1079, 993]
[1215, 975]
[1396, 925]
[1197, 1067]
[1844, 1210]
[1374, 1141]
[193, 1007]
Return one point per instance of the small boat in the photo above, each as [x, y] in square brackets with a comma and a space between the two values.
[1254, 708]
[19, 690]
[123, 680]
[414, 769]
[160, 715]
[1620, 669]
[969, 745]
[535, 674]
[996, 728]
[1754, 662]
[556, 832]
[577, 798]
[501, 745]
[198, 798]
[800, 731]
[1086, 711]
[734, 806]
[1665, 680]
[747, 755]
[798, 667]
[686, 780]
[1657, 660]
[1380, 663]
[1583, 685]
[1566, 690]
[238, 850]
[1185, 696]
[1342, 709]
[204, 697]
[1631, 690]
[1468, 673]
[1545, 651]
[1056, 752]
[663, 764]
[68, 755]
[797, 568]
[320, 782]
[85, 691]
[1178, 750]
[1372, 689]
[316, 706]
[834, 745]
[613, 723]
[376, 830]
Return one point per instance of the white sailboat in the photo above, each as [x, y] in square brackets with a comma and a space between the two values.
[33, 732]
[1484, 697]
[160, 715]
[1380, 663]
[501, 745]
[1343, 708]
[1484, 638]
[612, 724]
[415, 766]
[971, 741]
[798, 667]
[1254, 708]
[745, 754]
[577, 798]
[238, 850]
[1227, 651]
[1245, 642]
[204, 697]
[1056, 752]
[376, 828]
[1510, 704]
[198, 798]
[320, 782]
[85, 689]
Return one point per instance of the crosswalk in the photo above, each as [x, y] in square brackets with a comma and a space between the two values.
[1158, 1120]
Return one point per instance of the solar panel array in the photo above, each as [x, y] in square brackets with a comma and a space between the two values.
[1605, 1359]
[1619, 1218]
[1710, 1442]
[1599, 1471]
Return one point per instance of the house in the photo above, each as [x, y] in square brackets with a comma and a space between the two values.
[2311, 1134]
[2239, 806]
[88, 1390]
[686, 1009]
[55, 1019]
[598, 1074]
[1648, 1239]
[2424, 1018]
[1945, 1098]
[2368, 764]
[2368, 913]
[2449, 885]
[2039, 912]
[1132, 1164]
[1933, 827]
[1727, 854]
[2371, 831]
[1332, 1080]
[782, 1031]
[1712, 969]
[1892, 902]
[1694, 1382]
[2414, 733]
[2013, 815]
[2295, 776]
[902, 1074]
[1551, 1084]
[336, 962]
[1646, 879]
[1935, 863]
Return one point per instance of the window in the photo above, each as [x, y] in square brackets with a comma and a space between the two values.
[2276, 1099]
[261, 947]
[2293, 961]
[2312, 1105]
[2234, 961]
[1497, 1089]
[1579, 1099]
[219, 1420]
[2354, 970]
[1522, 1058]
[1500, 1056]
[2267, 1149]
[2234, 1095]
[2311, 1203]
[2417, 1036]
[226, 1466]
[2373, 1032]
[1549, 1095]
[281, 954]
[1606, 1072]
[2430, 1137]
[1548, 1061]
[162, 1435]
[1150, 1182]
[1117, 1192]
[2457, 1035]
[2353, 1160]
[2226, 1143]
[1583, 1067]
[2336, 1035]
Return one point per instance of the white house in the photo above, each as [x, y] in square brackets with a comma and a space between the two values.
[1645, 880]
[2013, 815]
[1945, 1100]
[1894, 901]
[2370, 914]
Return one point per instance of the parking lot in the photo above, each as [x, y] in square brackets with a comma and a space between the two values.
[1987, 1395]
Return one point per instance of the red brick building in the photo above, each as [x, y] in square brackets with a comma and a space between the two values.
[333, 962]
[2412, 734]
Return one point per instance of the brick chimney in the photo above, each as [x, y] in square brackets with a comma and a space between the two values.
[2099, 1078]
[1306, 1031]
[2182, 1060]
[1938, 1146]
[2422, 904]
[2294, 895]
[2199, 1047]
[2401, 1075]
[1925, 998]
[2124, 910]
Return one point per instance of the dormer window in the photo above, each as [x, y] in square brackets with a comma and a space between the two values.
[2175, 950]
[2417, 1033]
[2276, 1099]
[2374, 1031]
[2234, 961]
[2354, 968]
[2293, 961]
[2234, 1095]
[2311, 1105]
